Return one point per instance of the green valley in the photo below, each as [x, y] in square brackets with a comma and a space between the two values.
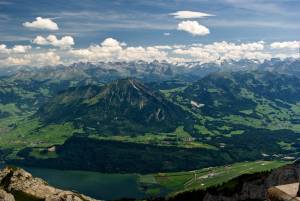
[178, 127]
[140, 186]
[224, 114]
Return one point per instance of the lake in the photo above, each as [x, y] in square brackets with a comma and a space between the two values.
[94, 184]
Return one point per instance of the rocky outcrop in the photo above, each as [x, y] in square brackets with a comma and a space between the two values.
[287, 192]
[254, 187]
[245, 187]
[4, 196]
[17, 184]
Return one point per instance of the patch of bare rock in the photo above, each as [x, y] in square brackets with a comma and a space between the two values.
[16, 185]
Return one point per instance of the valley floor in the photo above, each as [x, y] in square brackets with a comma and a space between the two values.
[102, 186]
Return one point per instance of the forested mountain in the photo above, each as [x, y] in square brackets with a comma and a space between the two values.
[165, 122]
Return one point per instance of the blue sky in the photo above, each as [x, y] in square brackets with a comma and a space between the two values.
[148, 22]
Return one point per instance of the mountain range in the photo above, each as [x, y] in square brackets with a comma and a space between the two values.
[121, 107]
[147, 71]
[149, 117]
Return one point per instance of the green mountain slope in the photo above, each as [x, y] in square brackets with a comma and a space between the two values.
[220, 119]
[223, 101]
[122, 107]
[228, 93]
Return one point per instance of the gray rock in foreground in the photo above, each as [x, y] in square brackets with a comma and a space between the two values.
[4, 196]
[17, 184]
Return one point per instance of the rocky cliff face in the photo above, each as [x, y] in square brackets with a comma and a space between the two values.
[246, 187]
[253, 187]
[18, 185]
[4, 196]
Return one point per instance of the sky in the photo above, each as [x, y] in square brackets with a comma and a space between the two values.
[51, 32]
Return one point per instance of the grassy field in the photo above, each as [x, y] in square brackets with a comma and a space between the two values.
[273, 114]
[201, 179]
[178, 138]
[20, 131]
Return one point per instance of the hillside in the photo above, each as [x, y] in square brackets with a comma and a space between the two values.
[249, 186]
[173, 125]
[139, 100]
[17, 184]
[122, 107]
[245, 98]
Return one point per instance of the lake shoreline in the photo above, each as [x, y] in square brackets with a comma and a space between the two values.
[94, 184]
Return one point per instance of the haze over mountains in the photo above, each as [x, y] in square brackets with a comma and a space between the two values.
[107, 71]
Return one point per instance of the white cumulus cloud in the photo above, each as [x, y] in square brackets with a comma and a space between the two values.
[112, 50]
[193, 27]
[36, 59]
[14, 49]
[64, 42]
[21, 48]
[189, 15]
[110, 42]
[42, 23]
[220, 51]
[3, 49]
[17, 61]
[286, 45]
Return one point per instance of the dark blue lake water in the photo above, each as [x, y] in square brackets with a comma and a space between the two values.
[94, 184]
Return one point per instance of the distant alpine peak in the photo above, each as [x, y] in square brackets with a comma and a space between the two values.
[147, 71]
[190, 64]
